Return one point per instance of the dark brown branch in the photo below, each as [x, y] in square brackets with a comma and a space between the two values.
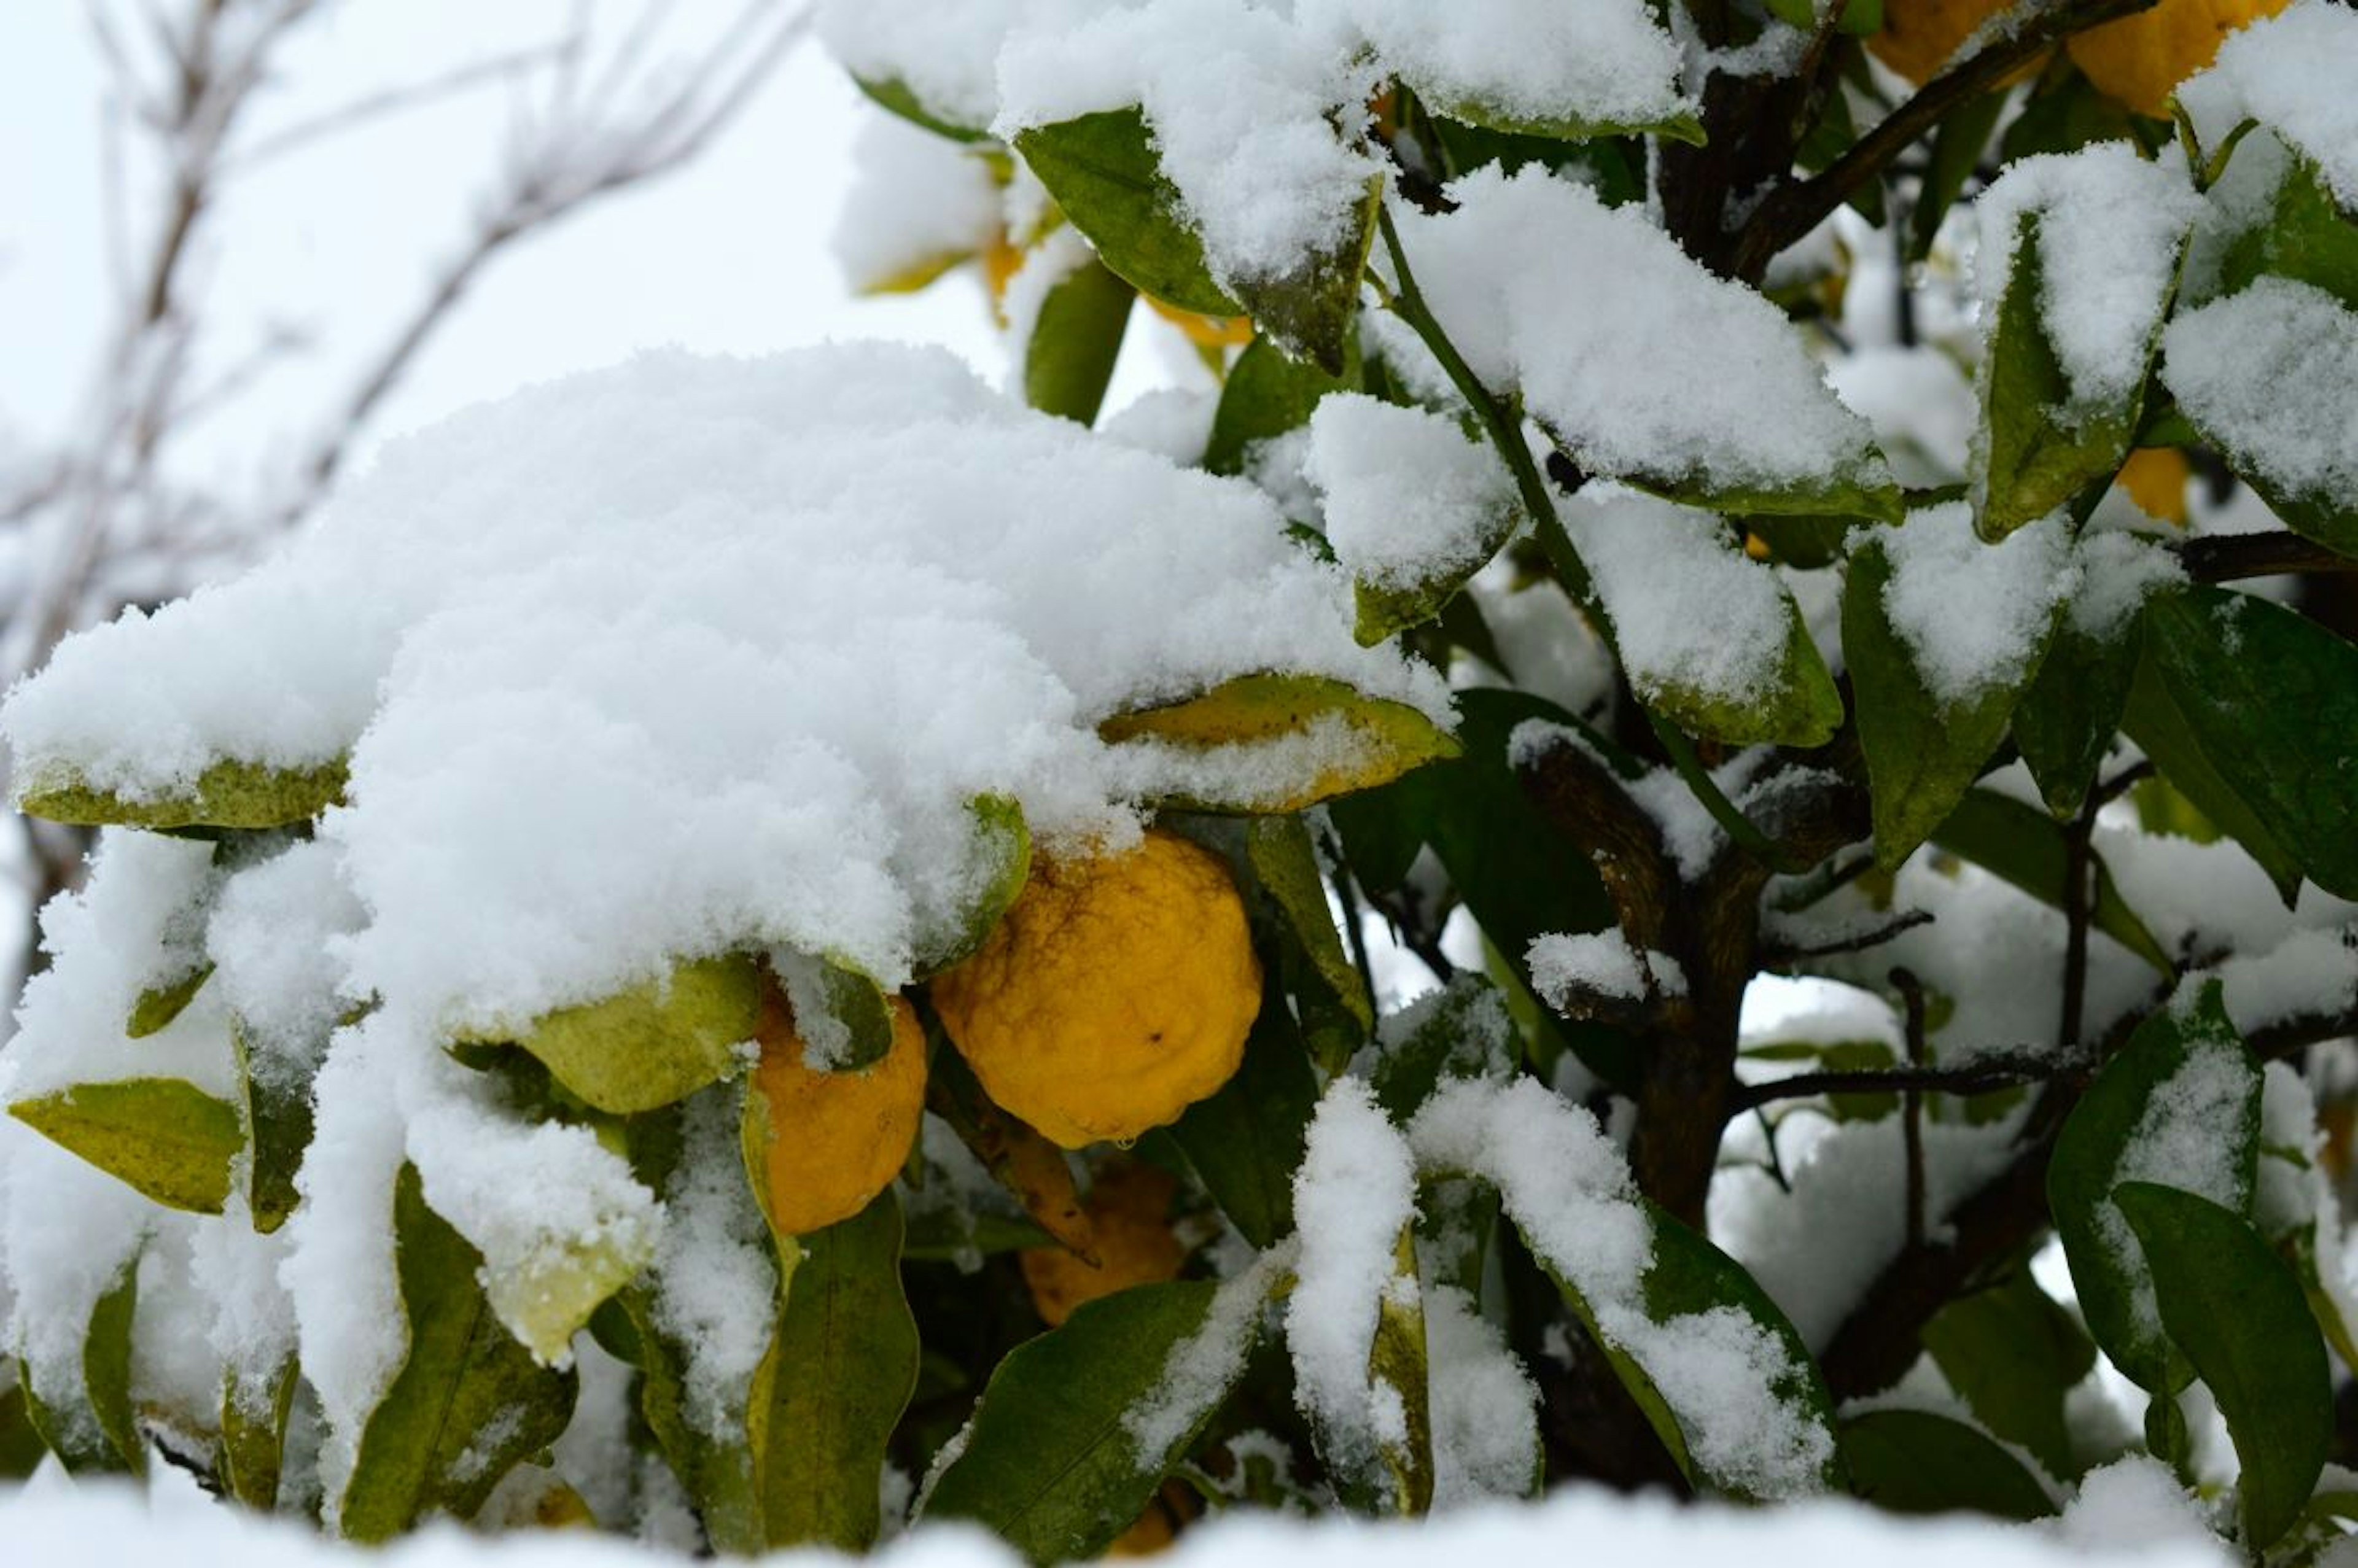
[1990, 1075]
[1794, 211]
[2232, 557]
[1780, 956]
[1912, 1107]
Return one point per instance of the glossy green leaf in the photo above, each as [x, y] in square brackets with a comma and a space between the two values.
[720, 1472]
[1799, 706]
[254, 1436]
[469, 1403]
[1922, 754]
[2269, 699]
[846, 1354]
[2014, 1356]
[2027, 848]
[158, 1005]
[1384, 739]
[1286, 864]
[2238, 1313]
[654, 1043]
[226, 794]
[895, 94]
[2305, 235]
[1914, 1462]
[2038, 447]
[858, 1010]
[1245, 1142]
[1461, 1032]
[164, 1136]
[1076, 337]
[1001, 854]
[1103, 171]
[277, 1126]
[1383, 610]
[2092, 1155]
[1267, 393]
[1049, 1465]
[2071, 709]
[2161, 730]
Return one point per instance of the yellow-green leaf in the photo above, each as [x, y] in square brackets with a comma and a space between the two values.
[999, 853]
[1380, 739]
[228, 794]
[158, 1006]
[1075, 340]
[164, 1136]
[654, 1043]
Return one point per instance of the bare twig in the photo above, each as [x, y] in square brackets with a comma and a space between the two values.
[2232, 557]
[1991, 1073]
[1911, 1103]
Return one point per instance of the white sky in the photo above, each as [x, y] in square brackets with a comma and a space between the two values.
[731, 255]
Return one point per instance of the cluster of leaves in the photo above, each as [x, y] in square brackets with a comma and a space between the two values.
[902, 1341]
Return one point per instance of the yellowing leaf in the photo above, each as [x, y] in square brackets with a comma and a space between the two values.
[228, 794]
[654, 1043]
[1371, 740]
[164, 1136]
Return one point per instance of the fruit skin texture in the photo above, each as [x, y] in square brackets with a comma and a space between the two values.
[1116, 992]
[833, 1140]
[2141, 59]
[1129, 1210]
[1919, 36]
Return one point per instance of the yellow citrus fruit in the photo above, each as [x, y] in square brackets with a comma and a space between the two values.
[835, 1139]
[1204, 332]
[1920, 37]
[2155, 478]
[1116, 992]
[1129, 1210]
[2140, 60]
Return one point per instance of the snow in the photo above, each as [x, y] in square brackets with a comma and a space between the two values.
[1484, 1418]
[2291, 72]
[272, 940]
[918, 203]
[1566, 967]
[2118, 571]
[112, 1521]
[715, 1287]
[2268, 373]
[1202, 1368]
[2132, 1505]
[1633, 356]
[1921, 404]
[947, 56]
[1410, 497]
[2311, 974]
[1354, 1194]
[1690, 612]
[2110, 227]
[1974, 615]
[67, 1231]
[2177, 1143]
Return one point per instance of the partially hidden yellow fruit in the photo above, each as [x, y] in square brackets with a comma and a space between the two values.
[2155, 478]
[2141, 59]
[1920, 37]
[1128, 1211]
[1204, 332]
[1116, 992]
[834, 1140]
[1002, 258]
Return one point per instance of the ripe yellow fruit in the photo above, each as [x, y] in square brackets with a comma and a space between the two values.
[2155, 478]
[1129, 1210]
[2140, 60]
[1918, 36]
[1116, 992]
[834, 1140]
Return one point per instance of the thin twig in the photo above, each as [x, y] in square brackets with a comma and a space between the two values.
[1911, 1104]
[1778, 956]
[1992, 1074]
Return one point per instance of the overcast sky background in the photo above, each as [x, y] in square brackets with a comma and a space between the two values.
[336, 240]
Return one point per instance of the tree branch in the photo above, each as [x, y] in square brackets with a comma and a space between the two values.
[1988, 1075]
[2231, 557]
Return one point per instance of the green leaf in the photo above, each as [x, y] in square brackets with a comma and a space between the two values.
[1267, 393]
[1381, 609]
[840, 992]
[21, 1447]
[846, 1354]
[107, 1368]
[227, 794]
[722, 1474]
[469, 1403]
[652, 1044]
[1922, 754]
[1855, 492]
[2069, 713]
[2306, 235]
[2094, 1155]
[2039, 446]
[1001, 855]
[277, 1128]
[164, 1136]
[1049, 1465]
[2270, 698]
[1957, 148]
[2237, 1311]
[1385, 738]
[1287, 866]
[1313, 312]
[158, 1005]
[2014, 1356]
[2028, 849]
[1914, 1462]
[1463, 1032]
[1800, 706]
[895, 94]
[1075, 340]
[1103, 171]
[1246, 1141]
[1680, 127]
[2155, 722]
[254, 1436]
[1396, 1359]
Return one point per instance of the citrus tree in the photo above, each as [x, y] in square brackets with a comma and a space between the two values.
[757, 951]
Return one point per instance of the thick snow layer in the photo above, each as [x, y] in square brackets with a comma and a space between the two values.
[50, 1522]
[1566, 967]
[693, 653]
[1690, 611]
[1409, 495]
[1973, 614]
[946, 55]
[1636, 358]
[2290, 73]
[2110, 226]
[2269, 374]
[917, 202]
